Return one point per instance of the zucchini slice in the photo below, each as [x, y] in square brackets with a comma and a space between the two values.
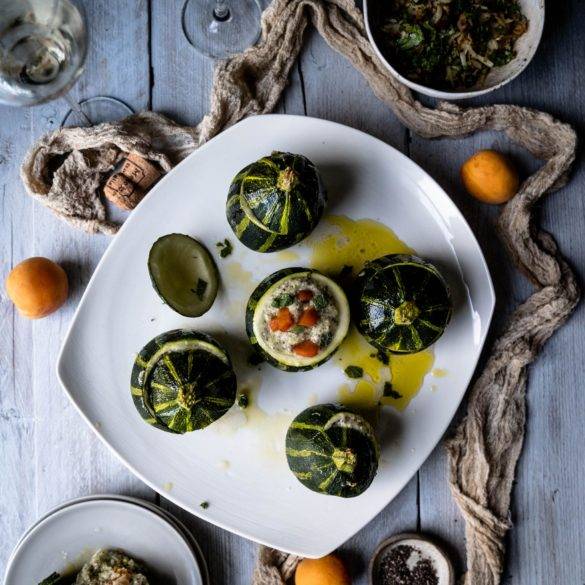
[183, 274]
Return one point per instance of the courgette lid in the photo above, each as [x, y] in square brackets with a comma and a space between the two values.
[182, 381]
[404, 304]
[259, 303]
[183, 274]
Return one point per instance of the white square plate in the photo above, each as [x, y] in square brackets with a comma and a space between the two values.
[239, 467]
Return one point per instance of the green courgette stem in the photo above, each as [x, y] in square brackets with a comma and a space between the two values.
[345, 460]
[287, 179]
[406, 313]
[187, 396]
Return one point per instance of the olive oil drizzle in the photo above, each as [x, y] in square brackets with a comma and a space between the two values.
[348, 242]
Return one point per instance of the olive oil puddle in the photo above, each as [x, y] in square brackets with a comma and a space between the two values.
[352, 243]
[269, 429]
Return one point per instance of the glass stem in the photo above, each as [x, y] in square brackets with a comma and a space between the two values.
[77, 108]
[221, 11]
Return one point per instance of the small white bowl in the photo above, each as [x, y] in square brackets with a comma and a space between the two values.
[525, 47]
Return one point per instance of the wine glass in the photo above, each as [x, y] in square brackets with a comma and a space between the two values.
[43, 45]
[221, 28]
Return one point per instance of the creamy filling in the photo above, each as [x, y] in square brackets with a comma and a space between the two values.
[286, 296]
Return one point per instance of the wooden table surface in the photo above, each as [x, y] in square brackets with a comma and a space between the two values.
[138, 53]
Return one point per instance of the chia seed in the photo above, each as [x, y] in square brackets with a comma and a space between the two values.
[406, 565]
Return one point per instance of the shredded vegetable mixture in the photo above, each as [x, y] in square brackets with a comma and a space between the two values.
[449, 44]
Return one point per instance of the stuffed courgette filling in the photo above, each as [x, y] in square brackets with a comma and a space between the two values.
[297, 318]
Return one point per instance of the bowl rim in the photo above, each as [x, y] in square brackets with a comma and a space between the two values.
[453, 95]
[396, 538]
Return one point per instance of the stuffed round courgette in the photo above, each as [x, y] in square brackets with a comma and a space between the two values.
[402, 304]
[275, 202]
[332, 450]
[182, 381]
[296, 318]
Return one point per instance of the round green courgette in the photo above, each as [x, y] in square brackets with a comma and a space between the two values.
[182, 381]
[403, 303]
[332, 450]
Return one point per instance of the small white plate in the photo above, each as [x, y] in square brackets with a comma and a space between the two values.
[67, 537]
[165, 514]
[241, 470]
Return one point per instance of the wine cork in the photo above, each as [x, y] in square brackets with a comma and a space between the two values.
[140, 171]
[122, 192]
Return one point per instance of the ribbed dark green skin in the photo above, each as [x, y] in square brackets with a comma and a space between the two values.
[185, 390]
[286, 216]
[309, 450]
[384, 285]
[255, 297]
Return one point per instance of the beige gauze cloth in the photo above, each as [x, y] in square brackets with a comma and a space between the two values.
[485, 447]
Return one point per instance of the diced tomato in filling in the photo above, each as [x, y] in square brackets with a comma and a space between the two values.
[306, 349]
[305, 295]
[283, 321]
[309, 317]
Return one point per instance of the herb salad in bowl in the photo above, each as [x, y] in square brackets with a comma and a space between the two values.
[454, 49]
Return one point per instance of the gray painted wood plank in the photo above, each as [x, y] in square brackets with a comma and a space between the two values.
[335, 91]
[182, 85]
[117, 65]
[48, 452]
[546, 544]
[17, 420]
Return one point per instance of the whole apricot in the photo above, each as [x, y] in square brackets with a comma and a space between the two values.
[490, 177]
[37, 287]
[328, 570]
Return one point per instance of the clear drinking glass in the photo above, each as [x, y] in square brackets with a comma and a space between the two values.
[221, 28]
[43, 45]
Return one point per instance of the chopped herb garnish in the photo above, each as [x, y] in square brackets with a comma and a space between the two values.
[383, 357]
[201, 288]
[320, 302]
[53, 579]
[204, 505]
[255, 359]
[283, 301]
[354, 372]
[225, 248]
[297, 329]
[389, 392]
[243, 400]
[345, 271]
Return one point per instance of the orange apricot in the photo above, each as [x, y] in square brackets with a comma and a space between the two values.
[490, 177]
[37, 287]
[328, 570]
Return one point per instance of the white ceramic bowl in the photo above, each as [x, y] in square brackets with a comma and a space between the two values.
[525, 47]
